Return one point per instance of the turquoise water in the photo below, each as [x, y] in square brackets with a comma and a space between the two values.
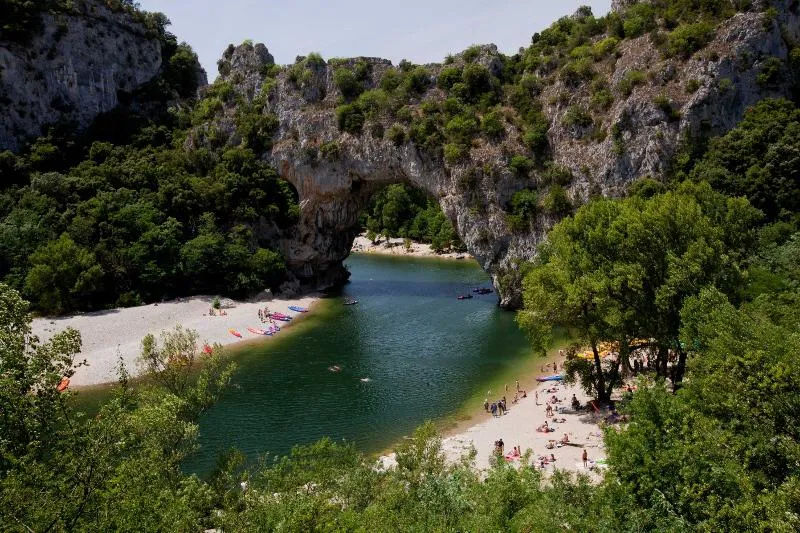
[424, 352]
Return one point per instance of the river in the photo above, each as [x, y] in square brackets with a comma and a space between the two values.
[424, 353]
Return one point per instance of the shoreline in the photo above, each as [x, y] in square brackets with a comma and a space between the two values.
[107, 336]
[395, 247]
[471, 426]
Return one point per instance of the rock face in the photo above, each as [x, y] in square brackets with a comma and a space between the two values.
[75, 68]
[637, 136]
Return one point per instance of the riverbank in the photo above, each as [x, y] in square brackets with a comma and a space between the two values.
[518, 426]
[108, 335]
[397, 247]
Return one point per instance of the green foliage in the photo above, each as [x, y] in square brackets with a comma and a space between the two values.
[111, 464]
[756, 159]
[729, 433]
[620, 270]
[62, 275]
[346, 81]
[402, 211]
[374, 103]
[689, 38]
[350, 118]
[577, 116]
[771, 72]
[520, 165]
[692, 86]
[639, 19]
[455, 153]
[556, 174]
[576, 72]
[397, 134]
[330, 150]
[556, 202]
[133, 222]
[448, 77]
[663, 102]
[492, 124]
[602, 99]
[631, 79]
[477, 80]
[417, 81]
[524, 208]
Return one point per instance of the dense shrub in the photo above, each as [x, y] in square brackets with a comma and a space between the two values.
[556, 202]
[448, 77]
[689, 38]
[350, 118]
[455, 152]
[520, 165]
[492, 124]
[346, 81]
[577, 116]
[396, 134]
[771, 72]
[631, 79]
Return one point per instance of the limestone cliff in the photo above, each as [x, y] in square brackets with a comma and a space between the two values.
[74, 66]
[657, 102]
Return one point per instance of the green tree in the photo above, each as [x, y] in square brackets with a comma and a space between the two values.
[621, 270]
[62, 273]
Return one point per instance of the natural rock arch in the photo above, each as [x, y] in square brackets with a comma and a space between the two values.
[333, 193]
[634, 136]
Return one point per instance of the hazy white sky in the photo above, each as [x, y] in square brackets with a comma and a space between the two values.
[421, 31]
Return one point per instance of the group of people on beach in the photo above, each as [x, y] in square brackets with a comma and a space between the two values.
[497, 408]
[265, 316]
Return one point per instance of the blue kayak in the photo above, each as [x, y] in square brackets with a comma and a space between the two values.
[554, 377]
[298, 309]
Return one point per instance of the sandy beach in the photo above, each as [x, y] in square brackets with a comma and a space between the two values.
[518, 427]
[107, 335]
[397, 247]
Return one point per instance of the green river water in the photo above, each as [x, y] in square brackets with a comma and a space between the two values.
[425, 353]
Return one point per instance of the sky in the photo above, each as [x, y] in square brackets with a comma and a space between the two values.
[421, 31]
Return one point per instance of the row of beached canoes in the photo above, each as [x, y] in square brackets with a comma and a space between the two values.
[273, 328]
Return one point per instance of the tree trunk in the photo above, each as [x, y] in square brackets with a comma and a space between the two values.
[661, 362]
[600, 382]
[680, 370]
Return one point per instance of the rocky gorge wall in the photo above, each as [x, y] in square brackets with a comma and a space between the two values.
[84, 59]
[71, 69]
[638, 135]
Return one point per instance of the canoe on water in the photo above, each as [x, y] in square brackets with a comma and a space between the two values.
[554, 377]
[235, 333]
[298, 309]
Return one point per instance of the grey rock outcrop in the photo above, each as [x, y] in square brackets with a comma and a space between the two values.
[72, 70]
[636, 136]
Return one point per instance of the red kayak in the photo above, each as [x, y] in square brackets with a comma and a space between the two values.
[235, 333]
[62, 385]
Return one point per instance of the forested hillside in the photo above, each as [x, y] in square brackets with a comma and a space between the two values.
[121, 213]
[700, 267]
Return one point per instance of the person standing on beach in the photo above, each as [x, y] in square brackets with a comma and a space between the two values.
[486, 405]
[537, 397]
[585, 458]
[517, 385]
[494, 409]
